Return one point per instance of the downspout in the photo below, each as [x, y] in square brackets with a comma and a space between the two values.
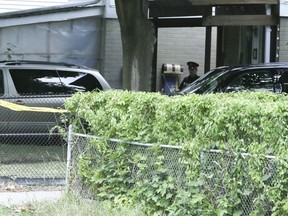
[267, 37]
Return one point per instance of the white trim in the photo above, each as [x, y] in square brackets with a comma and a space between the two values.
[16, 5]
[110, 9]
[283, 8]
[52, 17]
[267, 37]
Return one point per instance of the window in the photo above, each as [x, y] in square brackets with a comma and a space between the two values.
[33, 81]
[254, 80]
[79, 81]
[51, 82]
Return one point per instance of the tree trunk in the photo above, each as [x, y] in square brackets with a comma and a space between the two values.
[138, 38]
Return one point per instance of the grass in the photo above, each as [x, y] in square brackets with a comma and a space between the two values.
[29, 153]
[5, 211]
[70, 205]
[32, 160]
[54, 169]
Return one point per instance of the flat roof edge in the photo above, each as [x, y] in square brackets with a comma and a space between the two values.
[52, 9]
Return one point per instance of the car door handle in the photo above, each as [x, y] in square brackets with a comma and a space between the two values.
[20, 102]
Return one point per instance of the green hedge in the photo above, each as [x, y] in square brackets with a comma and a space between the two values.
[254, 123]
[234, 120]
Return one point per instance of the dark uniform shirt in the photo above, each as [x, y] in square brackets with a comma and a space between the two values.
[187, 80]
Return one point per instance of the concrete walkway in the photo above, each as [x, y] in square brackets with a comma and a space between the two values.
[16, 198]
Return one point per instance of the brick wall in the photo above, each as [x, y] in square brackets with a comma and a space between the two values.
[283, 44]
[179, 45]
[175, 45]
[112, 53]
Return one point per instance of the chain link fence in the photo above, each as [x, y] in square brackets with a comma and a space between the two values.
[32, 151]
[79, 145]
[32, 154]
[220, 170]
[217, 168]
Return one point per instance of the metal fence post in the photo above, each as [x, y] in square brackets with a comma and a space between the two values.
[70, 142]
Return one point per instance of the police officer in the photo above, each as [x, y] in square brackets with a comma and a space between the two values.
[193, 68]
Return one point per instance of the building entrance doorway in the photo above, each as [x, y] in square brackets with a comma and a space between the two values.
[243, 45]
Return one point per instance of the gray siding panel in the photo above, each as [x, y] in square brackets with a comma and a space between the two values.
[72, 41]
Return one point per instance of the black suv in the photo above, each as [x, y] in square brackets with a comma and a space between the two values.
[262, 77]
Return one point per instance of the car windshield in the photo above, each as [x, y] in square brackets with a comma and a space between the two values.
[207, 82]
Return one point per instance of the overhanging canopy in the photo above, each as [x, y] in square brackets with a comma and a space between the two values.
[189, 13]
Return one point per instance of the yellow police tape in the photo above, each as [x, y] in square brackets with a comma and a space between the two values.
[17, 107]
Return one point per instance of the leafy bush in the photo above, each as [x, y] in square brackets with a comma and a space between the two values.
[227, 120]
[254, 123]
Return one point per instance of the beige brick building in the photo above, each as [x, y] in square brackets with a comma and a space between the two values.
[88, 32]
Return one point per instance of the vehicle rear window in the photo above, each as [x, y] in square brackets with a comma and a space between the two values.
[51, 82]
[79, 81]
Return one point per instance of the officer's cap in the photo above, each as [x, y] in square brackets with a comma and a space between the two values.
[192, 64]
